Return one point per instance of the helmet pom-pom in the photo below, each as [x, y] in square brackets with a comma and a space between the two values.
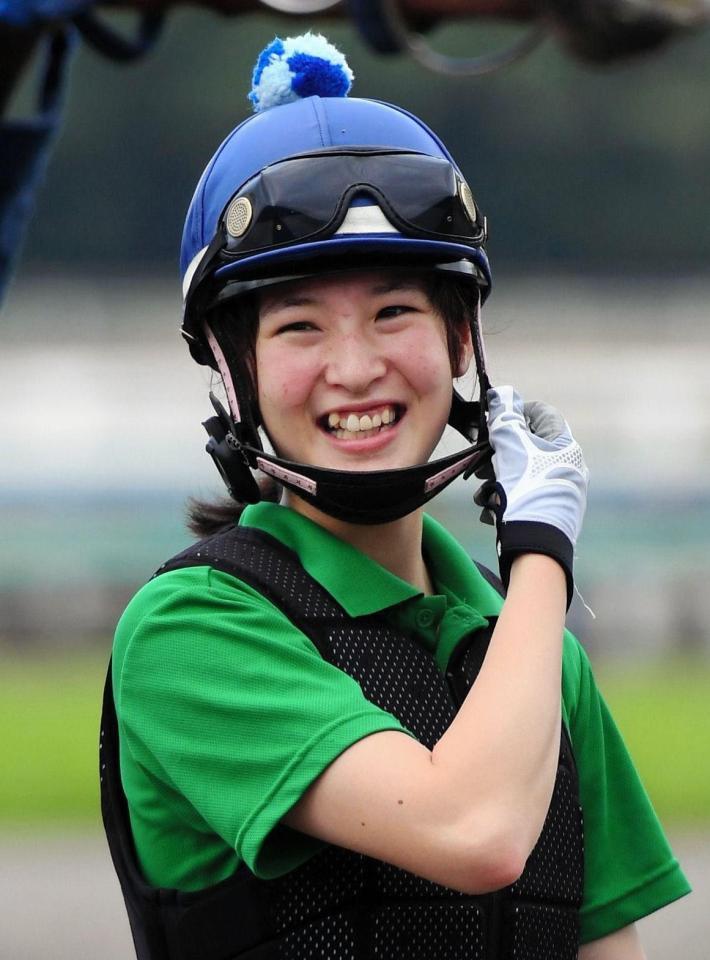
[299, 67]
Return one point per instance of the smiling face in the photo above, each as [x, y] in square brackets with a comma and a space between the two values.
[354, 371]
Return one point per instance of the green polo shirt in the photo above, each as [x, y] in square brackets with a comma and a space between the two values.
[227, 713]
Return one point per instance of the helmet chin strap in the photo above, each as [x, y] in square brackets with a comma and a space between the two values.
[364, 497]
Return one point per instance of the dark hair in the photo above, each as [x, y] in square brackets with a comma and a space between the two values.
[235, 326]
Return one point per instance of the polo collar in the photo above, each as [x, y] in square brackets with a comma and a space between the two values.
[455, 573]
[360, 585]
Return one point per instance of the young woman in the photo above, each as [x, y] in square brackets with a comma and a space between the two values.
[337, 738]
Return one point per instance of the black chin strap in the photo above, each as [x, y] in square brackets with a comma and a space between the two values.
[371, 496]
[366, 497]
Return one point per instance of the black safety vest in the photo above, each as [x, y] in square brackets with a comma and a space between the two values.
[339, 904]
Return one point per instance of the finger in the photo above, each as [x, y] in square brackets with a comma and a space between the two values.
[544, 420]
[504, 400]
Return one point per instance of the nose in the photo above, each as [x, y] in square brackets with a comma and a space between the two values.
[354, 363]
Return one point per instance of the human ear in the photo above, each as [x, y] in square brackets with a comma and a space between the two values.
[465, 352]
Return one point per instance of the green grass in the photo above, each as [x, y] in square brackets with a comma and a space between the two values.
[49, 721]
[49, 717]
[663, 711]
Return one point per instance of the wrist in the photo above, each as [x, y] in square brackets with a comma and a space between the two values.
[539, 569]
[520, 538]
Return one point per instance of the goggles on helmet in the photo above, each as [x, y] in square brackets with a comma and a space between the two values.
[294, 210]
[306, 198]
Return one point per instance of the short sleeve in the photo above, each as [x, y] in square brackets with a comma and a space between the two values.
[630, 870]
[228, 710]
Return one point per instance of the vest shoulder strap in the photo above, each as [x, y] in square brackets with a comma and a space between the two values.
[492, 578]
[267, 565]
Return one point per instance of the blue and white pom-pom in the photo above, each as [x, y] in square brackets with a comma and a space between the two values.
[298, 67]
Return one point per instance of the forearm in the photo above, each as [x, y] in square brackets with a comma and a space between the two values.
[623, 944]
[503, 745]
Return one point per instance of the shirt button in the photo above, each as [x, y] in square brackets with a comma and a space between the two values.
[425, 618]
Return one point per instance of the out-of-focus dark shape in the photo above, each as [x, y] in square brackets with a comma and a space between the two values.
[384, 26]
[594, 30]
[115, 46]
[25, 143]
[597, 31]
[603, 30]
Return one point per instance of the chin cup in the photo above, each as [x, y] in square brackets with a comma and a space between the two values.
[225, 448]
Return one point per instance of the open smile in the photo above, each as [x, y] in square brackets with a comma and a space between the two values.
[351, 425]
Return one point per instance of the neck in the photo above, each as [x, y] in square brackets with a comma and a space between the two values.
[396, 546]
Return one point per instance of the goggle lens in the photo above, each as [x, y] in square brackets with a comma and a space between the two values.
[305, 198]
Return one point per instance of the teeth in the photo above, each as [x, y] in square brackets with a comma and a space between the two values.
[352, 423]
[358, 435]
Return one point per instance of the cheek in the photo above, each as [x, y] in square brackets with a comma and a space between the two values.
[284, 381]
[428, 363]
[433, 371]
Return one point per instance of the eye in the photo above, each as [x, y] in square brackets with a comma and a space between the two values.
[395, 310]
[297, 326]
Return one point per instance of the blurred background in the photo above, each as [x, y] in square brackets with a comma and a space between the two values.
[596, 183]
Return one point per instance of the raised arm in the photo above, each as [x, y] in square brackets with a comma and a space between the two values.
[468, 813]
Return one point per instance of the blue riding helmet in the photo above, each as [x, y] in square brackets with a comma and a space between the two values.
[318, 134]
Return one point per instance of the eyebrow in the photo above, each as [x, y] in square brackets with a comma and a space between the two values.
[391, 286]
[293, 301]
[378, 289]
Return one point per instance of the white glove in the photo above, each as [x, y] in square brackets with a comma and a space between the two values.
[540, 491]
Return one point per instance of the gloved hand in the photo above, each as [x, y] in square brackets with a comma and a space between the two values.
[540, 489]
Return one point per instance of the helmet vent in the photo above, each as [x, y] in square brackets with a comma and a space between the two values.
[238, 216]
